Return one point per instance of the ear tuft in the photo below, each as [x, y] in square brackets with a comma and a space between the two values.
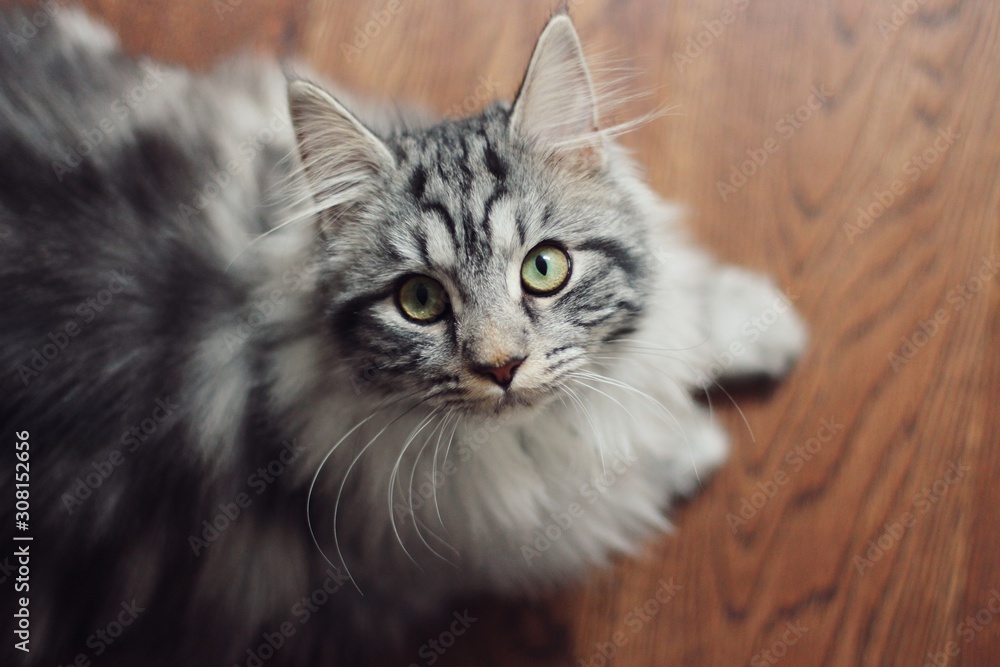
[340, 155]
[556, 105]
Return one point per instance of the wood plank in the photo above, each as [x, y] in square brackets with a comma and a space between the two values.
[795, 563]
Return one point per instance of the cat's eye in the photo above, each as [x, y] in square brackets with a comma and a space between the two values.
[545, 269]
[422, 299]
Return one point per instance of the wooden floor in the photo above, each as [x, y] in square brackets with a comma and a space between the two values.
[858, 522]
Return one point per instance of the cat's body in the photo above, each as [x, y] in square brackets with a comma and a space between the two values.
[189, 394]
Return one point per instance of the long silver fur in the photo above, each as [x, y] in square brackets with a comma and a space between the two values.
[266, 308]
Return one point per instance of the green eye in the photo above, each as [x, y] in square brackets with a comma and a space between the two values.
[422, 299]
[545, 270]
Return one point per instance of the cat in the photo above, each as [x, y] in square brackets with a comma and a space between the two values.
[295, 373]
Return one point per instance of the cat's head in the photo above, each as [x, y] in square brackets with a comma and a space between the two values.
[476, 263]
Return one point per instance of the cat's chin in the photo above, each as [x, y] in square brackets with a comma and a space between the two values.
[514, 405]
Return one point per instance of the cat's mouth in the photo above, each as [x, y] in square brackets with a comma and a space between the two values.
[510, 404]
[518, 399]
[493, 401]
[531, 388]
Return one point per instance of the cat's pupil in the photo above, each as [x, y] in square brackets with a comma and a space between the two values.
[422, 294]
[541, 265]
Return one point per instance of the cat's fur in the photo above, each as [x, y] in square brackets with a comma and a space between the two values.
[290, 352]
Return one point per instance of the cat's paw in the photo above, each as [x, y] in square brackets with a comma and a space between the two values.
[753, 326]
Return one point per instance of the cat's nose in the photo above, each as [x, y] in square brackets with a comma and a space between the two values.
[503, 374]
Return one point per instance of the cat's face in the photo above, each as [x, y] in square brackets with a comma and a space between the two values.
[477, 265]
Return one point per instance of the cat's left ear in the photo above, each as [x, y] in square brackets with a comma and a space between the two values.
[340, 155]
[556, 105]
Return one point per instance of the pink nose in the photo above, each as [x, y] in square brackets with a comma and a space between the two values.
[503, 374]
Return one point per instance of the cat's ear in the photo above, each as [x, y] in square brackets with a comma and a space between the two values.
[556, 105]
[340, 155]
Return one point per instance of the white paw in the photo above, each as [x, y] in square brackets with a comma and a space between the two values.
[753, 326]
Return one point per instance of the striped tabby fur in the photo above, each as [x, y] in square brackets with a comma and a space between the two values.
[231, 419]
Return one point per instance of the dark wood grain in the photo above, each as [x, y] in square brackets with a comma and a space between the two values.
[892, 90]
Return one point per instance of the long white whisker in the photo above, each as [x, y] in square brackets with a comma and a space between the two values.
[312, 484]
[703, 387]
[434, 468]
[451, 439]
[662, 372]
[653, 347]
[343, 483]
[580, 382]
[392, 480]
[597, 436]
[601, 378]
[413, 513]
[731, 400]
[576, 378]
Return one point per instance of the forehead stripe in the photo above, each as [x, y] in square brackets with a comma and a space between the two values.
[439, 209]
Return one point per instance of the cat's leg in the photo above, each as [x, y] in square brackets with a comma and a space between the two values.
[750, 326]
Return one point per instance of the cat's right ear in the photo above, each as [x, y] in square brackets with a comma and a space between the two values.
[340, 155]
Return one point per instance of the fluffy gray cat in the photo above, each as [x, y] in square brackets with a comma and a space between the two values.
[295, 376]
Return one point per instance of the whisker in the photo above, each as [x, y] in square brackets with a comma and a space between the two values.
[343, 483]
[597, 436]
[413, 513]
[680, 430]
[312, 484]
[434, 468]
[451, 439]
[648, 346]
[576, 378]
[662, 372]
[704, 387]
[731, 400]
[392, 480]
